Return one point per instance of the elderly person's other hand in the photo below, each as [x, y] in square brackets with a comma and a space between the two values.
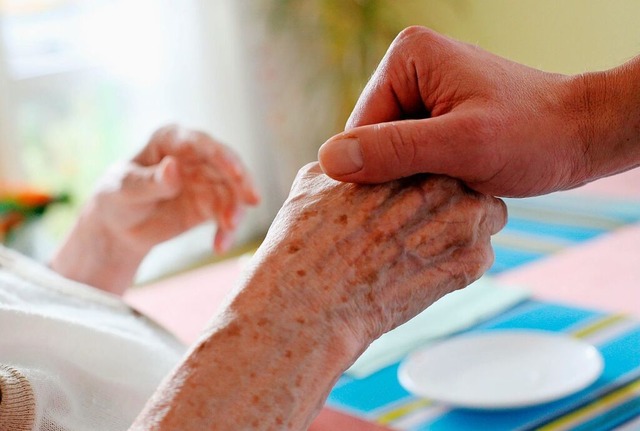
[342, 263]
[437, 105]
[180, 179]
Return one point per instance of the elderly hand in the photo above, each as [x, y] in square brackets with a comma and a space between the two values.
[437, 105]
[377, 255]
[180, 179]
[342, 263]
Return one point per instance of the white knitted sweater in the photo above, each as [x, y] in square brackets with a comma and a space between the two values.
[73, 358]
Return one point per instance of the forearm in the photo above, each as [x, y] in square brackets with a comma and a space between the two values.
[610, 119]
[91, 254]
[267, 364]
[331, 276]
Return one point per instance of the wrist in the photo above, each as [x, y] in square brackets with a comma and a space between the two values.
[307, 303]
[609, 119]
[93, 254]
[268, 351]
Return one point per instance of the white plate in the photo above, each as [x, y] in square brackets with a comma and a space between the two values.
[501, 369]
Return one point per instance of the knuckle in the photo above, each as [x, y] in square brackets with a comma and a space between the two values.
[477, 261]
[307, 170]
[309, 167]
[415, 39]
[412, 33]
[500, 214]
[201, 136]
[405, 45]
[166, 130]
[304, 173]
[485, 259]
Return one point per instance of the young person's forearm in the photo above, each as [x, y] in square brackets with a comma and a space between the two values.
[610, 121]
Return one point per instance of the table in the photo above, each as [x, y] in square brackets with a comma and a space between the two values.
[601, 273]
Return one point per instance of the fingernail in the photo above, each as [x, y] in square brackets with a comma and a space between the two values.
[167, 171]
[225, 243]
[236, 218]
[255, 196]
[341, 156]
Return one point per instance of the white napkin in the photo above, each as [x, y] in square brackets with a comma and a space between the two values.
[453, 313]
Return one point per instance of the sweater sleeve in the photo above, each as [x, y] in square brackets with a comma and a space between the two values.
[17, 402]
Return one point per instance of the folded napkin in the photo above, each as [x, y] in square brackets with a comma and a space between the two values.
[453, 313]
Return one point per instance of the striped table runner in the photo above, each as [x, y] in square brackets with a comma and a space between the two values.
[538, 227]
[612, 400]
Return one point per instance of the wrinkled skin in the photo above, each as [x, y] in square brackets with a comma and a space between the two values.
[342, 263]
[393, 249]
[436, 105]
[180, 179]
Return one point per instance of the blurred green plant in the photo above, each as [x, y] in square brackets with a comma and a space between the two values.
[23, 204]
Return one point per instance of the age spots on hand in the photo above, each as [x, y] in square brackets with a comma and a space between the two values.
[293, 248]
[341, 220]
[307, 214]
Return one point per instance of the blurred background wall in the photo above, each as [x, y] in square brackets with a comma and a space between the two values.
[85, 82]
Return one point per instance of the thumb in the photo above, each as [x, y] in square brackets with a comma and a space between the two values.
[167, 177]
[151, 183]
[381, 152]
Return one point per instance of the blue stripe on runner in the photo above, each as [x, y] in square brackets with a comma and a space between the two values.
[569, 220]
[622, 210]
[371, 393]
[568, 232]
[618, 354]
[540, 315]
[614, 417]
[507, 258]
